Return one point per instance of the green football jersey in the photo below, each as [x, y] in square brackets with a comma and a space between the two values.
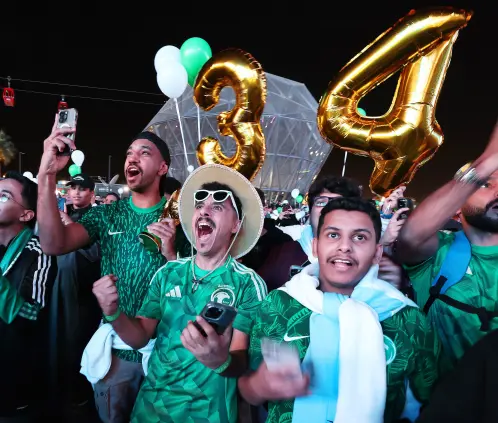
[412, 350]
[178, 388]
[457, 329]
[117, 227]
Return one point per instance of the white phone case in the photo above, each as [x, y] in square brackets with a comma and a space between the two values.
[281, 357]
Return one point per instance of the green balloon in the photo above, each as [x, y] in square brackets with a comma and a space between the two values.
[299, 198]
[194, 53]
[280, 209]
[74, 170]
[361, 111]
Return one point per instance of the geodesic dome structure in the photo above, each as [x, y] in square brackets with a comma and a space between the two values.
[295, 151]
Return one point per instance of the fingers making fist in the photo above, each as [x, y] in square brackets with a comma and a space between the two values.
[106, 292]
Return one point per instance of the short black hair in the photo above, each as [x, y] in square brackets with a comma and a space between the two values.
[158, 142]
[114, 194]
[261, 195]
[170, 185]
[344, 187]
[29, 193]
[215, 186]
[353, 204]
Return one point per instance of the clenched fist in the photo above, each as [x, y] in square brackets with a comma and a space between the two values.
[107, 294]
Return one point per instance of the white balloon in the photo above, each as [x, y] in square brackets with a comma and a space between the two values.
[28, 175]
[166, 54]
[173, 79]
[190, 168]
[78, 157]
[294, 193]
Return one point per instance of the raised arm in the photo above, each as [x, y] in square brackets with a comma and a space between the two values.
[55, 238]
[418, 238]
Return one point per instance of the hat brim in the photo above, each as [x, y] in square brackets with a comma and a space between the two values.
[78, 184]
[252, 208]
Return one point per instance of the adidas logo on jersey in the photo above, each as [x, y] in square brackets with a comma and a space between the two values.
[175, 293]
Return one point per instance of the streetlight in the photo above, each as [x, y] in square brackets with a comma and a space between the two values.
[109, 170]
[20, 161]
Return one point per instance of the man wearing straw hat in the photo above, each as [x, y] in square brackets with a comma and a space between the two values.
[190, 376]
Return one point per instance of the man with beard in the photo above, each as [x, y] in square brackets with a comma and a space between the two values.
[468, 309]
[192, 369]
[124, 259]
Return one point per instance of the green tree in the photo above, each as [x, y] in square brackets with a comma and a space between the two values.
[7, 150]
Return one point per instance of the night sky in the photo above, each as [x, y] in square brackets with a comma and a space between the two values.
[306, 45]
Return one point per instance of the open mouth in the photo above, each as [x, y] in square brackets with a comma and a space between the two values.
[341, 264]
[133, 171]
[204, 229]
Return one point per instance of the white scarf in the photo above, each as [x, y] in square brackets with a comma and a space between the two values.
[362, 371]
[306, 242]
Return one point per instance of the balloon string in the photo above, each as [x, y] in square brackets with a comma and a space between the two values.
[199, 122]
[181, 130]
[344, 166]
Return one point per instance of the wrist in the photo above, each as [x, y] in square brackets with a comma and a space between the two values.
[486, 166]
[170, 255]
[46, 177]
[218, 362]
[256, 389]
[111, 317]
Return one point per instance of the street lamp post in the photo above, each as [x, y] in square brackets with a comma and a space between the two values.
[20, 161]
[109, 170]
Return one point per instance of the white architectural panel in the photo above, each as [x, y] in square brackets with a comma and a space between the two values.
[295, 151]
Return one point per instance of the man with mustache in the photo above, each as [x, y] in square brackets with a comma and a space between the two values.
[124, 260]
[468, 309]
[192, 369]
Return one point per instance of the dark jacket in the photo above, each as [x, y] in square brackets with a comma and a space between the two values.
[75, 316]
[272, 238]
[469, 393]
[24, 343]
[275, 270]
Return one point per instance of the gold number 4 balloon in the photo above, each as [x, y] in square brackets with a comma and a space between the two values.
[244, 74]
[408, 135]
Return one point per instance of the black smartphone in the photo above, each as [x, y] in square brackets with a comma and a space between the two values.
[405, 203]
[218, 315]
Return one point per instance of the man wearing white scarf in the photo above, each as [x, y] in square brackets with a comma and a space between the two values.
[365, 348]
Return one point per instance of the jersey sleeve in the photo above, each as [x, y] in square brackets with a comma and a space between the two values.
[34, 288]
[151, 307]
[253, 294]
[427, 354]
[93, 221]
[269, 322]
[422, 275]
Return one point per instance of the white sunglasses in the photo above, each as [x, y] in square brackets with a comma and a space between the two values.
[218, 196]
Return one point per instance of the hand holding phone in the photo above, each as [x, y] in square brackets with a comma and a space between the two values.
[52, 162]
[67, 119]
[405, 203]
[281, 358]
[218, 315]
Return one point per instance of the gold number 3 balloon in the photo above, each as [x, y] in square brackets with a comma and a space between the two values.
[408, 135]
[244, 74]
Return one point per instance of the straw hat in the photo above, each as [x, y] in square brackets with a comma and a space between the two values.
[252, 208]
